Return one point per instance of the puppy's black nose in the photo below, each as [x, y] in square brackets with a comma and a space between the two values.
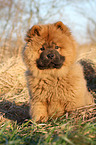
[50, 55]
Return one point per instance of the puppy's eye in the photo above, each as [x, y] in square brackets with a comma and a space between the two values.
[42, 48]
[57, 47]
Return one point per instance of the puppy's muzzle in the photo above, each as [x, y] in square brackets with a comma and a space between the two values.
[50, 59]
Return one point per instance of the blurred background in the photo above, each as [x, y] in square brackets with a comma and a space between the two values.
[17, 16]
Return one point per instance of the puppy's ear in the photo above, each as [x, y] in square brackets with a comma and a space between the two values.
[63, 28]
[35, 30]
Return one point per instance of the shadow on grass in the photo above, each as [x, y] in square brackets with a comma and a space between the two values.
[14, 112]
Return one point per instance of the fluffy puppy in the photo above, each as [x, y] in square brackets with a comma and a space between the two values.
[56, 82]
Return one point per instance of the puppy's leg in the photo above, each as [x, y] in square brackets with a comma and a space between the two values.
[55, 109]
[38, 112]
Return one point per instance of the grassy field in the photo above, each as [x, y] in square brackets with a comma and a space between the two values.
[79, 128]
[67, 132]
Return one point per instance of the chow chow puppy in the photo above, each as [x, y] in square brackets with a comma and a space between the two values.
[55, 80]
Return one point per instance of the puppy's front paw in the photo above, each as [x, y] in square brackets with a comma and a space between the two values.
[39, 117]
[38, 112]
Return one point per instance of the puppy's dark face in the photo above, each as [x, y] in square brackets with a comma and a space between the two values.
[50, 59]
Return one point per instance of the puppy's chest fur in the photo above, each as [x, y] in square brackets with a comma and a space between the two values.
[50, 89]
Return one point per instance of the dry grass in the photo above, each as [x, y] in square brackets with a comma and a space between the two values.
[87, 51]
[12, 79]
